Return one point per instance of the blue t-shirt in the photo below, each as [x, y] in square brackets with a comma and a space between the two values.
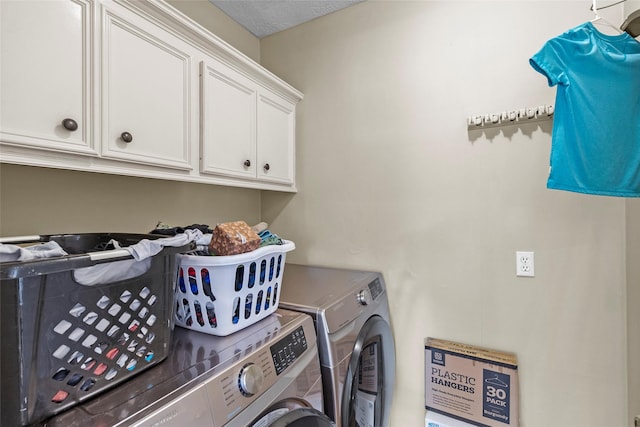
[595, 145]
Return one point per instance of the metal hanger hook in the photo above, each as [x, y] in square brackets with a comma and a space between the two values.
[594, 8]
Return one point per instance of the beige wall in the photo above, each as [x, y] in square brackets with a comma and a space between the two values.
[390, 179]
[633, 288]
[633, 305]
[633, 281]
[48, 201]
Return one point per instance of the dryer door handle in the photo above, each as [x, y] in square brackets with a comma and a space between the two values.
[374, 343]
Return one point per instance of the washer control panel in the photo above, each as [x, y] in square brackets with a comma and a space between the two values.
[375, 288]
[250, 376]
[287, 350]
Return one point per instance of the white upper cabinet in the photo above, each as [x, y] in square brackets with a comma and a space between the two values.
[228, 121]
[146, 76]
[45, 77]
[276, 138]
[248, 131]
[136, 88]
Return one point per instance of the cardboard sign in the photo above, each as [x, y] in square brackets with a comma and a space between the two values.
[471, 384]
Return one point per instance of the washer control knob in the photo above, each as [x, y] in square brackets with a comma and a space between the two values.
[250, 379]
[364, 297]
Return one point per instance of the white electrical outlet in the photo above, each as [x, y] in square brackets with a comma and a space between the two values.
[524, 264]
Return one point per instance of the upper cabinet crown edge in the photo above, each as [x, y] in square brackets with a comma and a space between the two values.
[194, 33]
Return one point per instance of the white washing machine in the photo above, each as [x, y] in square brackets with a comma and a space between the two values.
[355, 341]
[265, 375]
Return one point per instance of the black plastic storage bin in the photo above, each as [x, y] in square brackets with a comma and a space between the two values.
[64, 342]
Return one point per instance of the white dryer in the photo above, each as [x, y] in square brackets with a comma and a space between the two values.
[267, 375]
[357, 351]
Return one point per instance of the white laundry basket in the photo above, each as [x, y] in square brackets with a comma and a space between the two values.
[219, 295]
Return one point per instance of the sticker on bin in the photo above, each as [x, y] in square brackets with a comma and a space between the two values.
[219, 295]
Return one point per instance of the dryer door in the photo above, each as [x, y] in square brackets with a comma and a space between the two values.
[368, 387]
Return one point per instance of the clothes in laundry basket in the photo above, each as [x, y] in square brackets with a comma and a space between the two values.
[10, 253]
[171, 230]
[142, 252]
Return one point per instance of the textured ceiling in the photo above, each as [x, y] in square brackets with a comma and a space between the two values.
[265, 17]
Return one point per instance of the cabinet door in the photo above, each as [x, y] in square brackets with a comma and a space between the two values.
[45, 74]
[146, 87]
[276, 138]
[228, 122]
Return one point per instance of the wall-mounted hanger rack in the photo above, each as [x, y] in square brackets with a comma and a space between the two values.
[513, 117]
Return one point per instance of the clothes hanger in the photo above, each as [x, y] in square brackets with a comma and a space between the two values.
[598, 20]
[609, 5]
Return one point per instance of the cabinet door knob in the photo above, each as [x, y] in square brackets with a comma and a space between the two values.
[70, 124]
[247, 163]
[267, 167]
[126, 137]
